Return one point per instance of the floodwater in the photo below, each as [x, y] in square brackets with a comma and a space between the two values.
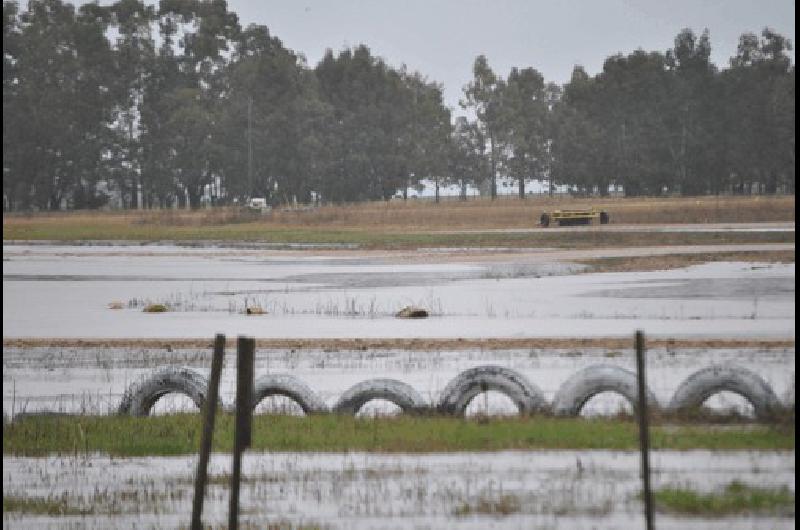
[550, 489]
[65, 291]
[92, 380]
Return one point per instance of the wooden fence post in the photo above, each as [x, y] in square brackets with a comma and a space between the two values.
[245, 353]
[644, 435]
[209, 414]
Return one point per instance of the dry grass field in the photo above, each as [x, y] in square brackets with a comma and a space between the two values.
[429, 216]
[417, 224]
[515, 213]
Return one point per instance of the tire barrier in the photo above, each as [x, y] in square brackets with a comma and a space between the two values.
[143, 394]
[788, 397]
[291, 387]
[706, 382]
[570, 398]
[592, 380]
[399, 393]
[469, 383]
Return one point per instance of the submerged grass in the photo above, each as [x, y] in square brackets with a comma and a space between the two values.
[676, 261]
[736, 498]
[180, 434]
[41, 506]
[504, 505]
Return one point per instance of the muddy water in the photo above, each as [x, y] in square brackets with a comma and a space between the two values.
[551, 489]
[51, 291]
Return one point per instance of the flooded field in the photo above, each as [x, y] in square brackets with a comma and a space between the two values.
[92, 380]
[550, 489]
[51, 291]
[65, 291]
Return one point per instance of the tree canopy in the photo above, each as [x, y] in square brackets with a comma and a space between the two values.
[178, 103]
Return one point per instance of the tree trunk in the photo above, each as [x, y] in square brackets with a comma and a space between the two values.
[193, 198]
[494, 169]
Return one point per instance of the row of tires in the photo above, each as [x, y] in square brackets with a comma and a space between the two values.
[573, 394]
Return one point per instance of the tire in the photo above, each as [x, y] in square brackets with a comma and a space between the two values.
[545, 220]
[140, 397]
[291, 387]
[706, 382]
[399, 393]
[587, 383]
[469, 383]
[788, 397]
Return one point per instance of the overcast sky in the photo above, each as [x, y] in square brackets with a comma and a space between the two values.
[441, 38]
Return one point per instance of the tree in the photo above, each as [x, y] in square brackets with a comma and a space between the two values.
[61, 104]
[483, 96]
[134, 57]
[524, 119]
[690, 119]
[467, 163]
[759, 92]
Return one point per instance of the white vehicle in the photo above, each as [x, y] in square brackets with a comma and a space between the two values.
[259, 204]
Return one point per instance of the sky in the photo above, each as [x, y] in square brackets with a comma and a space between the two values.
[441, 38]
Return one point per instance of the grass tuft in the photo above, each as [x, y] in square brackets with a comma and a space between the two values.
[155, 308]
[41, 506]
[736, 498]
[504, 505]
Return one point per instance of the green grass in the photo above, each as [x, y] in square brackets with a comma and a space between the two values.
[180, 434]
[736, 498]
[155, 308]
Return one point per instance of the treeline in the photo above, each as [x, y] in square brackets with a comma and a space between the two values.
[176, 103]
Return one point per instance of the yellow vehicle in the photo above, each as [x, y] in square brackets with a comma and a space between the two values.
[573, 217]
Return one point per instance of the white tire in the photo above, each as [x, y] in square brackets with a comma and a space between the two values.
[465, 386]
[140, 397]
[399, 393]
[291, 387]
[706, 382]
[592, 380]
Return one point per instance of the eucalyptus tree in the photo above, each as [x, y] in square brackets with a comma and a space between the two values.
[385, 126]
[182, 100]
[14, 188]
[524, 119]
[483, 96]
[60, 104]
[429, 132]
[134, 52]
[759, 88]
[273, 121]
[467, 163]
[693, 129]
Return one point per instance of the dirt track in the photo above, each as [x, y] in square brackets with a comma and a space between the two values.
[654, 228]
